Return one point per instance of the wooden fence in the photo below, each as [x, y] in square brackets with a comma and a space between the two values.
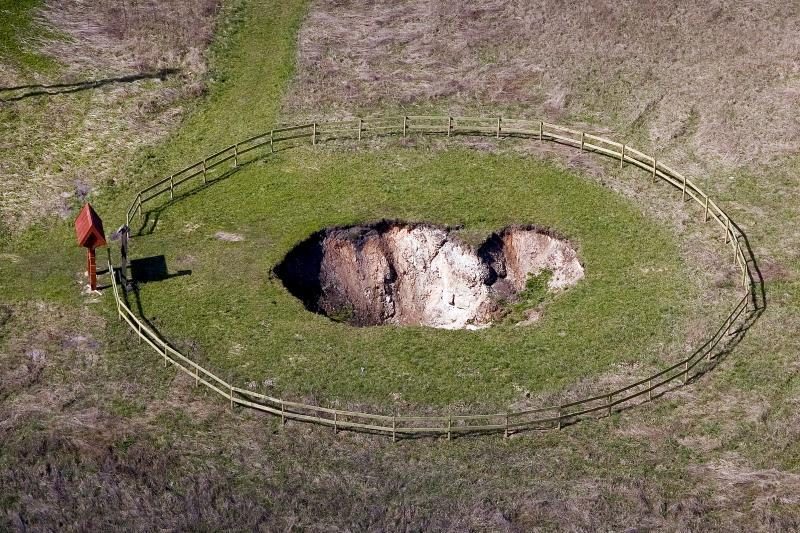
[554, 416]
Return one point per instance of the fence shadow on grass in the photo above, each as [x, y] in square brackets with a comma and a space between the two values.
[151, 216]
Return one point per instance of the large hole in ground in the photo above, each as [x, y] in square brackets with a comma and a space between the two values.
[403, 273]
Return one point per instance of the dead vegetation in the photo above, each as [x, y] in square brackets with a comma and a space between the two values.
[57, 148]
[101, 436]
[721, 78]
[131, 36]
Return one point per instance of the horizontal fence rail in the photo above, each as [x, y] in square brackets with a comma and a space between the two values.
[554, 416]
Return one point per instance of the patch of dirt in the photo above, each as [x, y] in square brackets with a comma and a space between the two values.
[421, 274]
[518, 251]
[774, 271]
[228, 236]
[701, 443]
[740, 482]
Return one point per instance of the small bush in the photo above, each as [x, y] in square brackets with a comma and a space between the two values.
[535, 288]
[533, 295]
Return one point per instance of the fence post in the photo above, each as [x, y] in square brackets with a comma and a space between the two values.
[196, 376]
[114, 287]
[654, 170]
[235, 155]
[559, 417]
[314, 134]
[727, 228]
[119, 308]
[541, 129]
[505, 435]
[683, 194]
[449, 425]
[394, 428]
[359, 128]
[171, 187]
[230, 390]
[139, 327]
[705, 216]
[736, 251]
[622, 157]
[283, 414]
[608, 403]
[405, 120]
[686, 372]
[649, 390]
[140, 206]
[164, 345]
[335, 422]
[582, 140]
[498, 126]
[272, 141]
[449, 125]
[204, 172]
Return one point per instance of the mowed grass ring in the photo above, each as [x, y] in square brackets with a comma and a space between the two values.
[236, 317]
[244, 321]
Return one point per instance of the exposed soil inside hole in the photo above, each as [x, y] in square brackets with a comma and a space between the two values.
[403, 273]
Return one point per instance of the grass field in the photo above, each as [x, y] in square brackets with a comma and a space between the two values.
[241, 319]
[19, 33]
[96, 434]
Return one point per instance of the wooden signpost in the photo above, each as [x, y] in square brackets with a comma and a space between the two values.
[89, 231]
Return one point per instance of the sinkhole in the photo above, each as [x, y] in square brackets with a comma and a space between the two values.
[406, 273]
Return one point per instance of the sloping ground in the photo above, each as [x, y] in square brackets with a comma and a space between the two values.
[717, 76]
[629, 308]
[712, 87]
[709, 87]
[109, 78]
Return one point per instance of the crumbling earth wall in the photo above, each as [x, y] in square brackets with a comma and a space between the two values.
[421, 274]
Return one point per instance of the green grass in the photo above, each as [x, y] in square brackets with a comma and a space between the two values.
[535, 293]
[240, 320]
[231, 314]
[20, 32]
[252, 61]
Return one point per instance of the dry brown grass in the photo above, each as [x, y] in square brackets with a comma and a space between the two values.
[710, 87]
[97, 435]
[131, 35]
[56, 149]
[723, 75]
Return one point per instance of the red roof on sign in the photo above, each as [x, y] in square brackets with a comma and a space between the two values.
[89, 228]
